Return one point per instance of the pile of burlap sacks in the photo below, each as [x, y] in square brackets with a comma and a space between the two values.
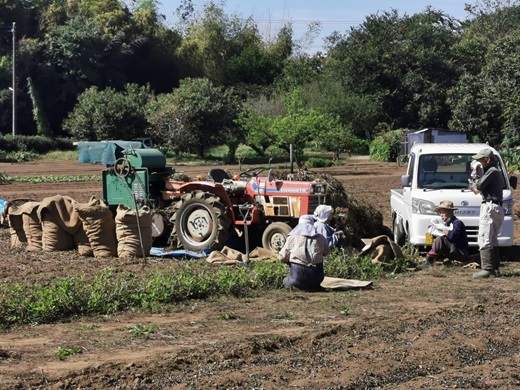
[59, 223]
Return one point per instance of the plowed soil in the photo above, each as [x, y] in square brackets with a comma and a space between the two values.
[434, 329]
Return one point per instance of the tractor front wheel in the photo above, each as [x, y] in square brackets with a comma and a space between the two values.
[200, 222]
[275, 235]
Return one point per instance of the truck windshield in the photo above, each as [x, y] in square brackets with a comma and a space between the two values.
[446, 171]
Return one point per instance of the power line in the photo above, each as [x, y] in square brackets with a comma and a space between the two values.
[308, 21]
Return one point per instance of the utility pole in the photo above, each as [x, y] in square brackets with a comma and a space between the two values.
[14, 79]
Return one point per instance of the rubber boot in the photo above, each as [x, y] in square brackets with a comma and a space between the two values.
[427, 262]
[496, 260]
[487, 264]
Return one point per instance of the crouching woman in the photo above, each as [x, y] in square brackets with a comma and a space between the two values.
[303, 251]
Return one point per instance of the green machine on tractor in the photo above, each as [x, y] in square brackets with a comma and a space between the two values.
[202, 214]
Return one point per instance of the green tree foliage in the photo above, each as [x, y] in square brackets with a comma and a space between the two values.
[391, 71]
[152, 47]
[299, 71]
[485, 99]
[168, 123]
[300, 126]
[197, 115]
[42, 123]
[403, 63]
[110, 14]
[107, 114]
[228, 50]
[258, 128]
[256, 119]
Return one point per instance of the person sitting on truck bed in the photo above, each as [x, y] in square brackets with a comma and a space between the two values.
[303, 251]
[323, 216]
[453, 243]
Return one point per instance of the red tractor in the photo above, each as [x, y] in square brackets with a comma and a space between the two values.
[202, 214]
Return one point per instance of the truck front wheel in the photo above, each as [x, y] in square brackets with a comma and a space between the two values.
[399, 234]
[200, 222]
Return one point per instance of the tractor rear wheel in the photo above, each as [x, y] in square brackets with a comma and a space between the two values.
[200, 222]
[275, 235]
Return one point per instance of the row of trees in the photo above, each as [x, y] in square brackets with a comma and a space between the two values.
[96, 69]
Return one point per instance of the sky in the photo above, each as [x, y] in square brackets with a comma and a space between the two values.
[334, 15]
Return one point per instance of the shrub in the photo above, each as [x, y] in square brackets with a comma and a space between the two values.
[353, 266]
[359, 146]
[35, 144]
[315, 162]
[108, 114]
[385, 147]
[8, 143]
[17, 157]
[511, 157]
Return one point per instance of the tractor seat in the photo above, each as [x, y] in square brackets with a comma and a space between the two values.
[218, 175]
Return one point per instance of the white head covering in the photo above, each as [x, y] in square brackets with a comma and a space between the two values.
[322, 213]
[305, 227]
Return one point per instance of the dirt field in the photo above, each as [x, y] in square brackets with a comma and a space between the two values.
[434, 329]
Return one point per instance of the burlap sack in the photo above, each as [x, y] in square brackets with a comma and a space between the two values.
[15, 222]
[381, 249]
[82, 243]
[54, 237]
[99, 226]
[60, 222]
[344, 284]
[31, 225]
[131, 232]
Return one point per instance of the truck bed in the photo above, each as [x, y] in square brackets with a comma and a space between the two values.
[397, 191]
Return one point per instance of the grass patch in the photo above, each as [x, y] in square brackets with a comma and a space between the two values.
[60, 155]
[227, 316]
[63, 353]
[141, 330]
[286, 315]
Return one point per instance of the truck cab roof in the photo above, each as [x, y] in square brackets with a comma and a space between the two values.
[444, 148]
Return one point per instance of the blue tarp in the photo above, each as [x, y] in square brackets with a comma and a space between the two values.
[106, 152]
[159, 252]
[2, 205]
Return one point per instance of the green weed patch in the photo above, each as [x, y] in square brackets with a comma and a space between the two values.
[53, 179]
[110, 290]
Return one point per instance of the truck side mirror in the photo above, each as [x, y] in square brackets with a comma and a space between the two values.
[513, 181]
[405, 181]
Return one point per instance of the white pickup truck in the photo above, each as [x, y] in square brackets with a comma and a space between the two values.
[437, 172]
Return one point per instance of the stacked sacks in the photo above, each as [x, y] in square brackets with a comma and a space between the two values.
[62, 228]
[59, 223]
[133, 231]
[99, 226]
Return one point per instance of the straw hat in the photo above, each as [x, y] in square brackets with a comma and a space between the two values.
[445, 204]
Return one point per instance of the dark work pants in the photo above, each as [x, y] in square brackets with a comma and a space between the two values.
[446, 249]
[304, 278]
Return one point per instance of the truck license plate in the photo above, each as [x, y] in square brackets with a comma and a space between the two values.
[429, 239]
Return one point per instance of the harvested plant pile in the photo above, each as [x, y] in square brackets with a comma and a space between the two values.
[361, 221]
